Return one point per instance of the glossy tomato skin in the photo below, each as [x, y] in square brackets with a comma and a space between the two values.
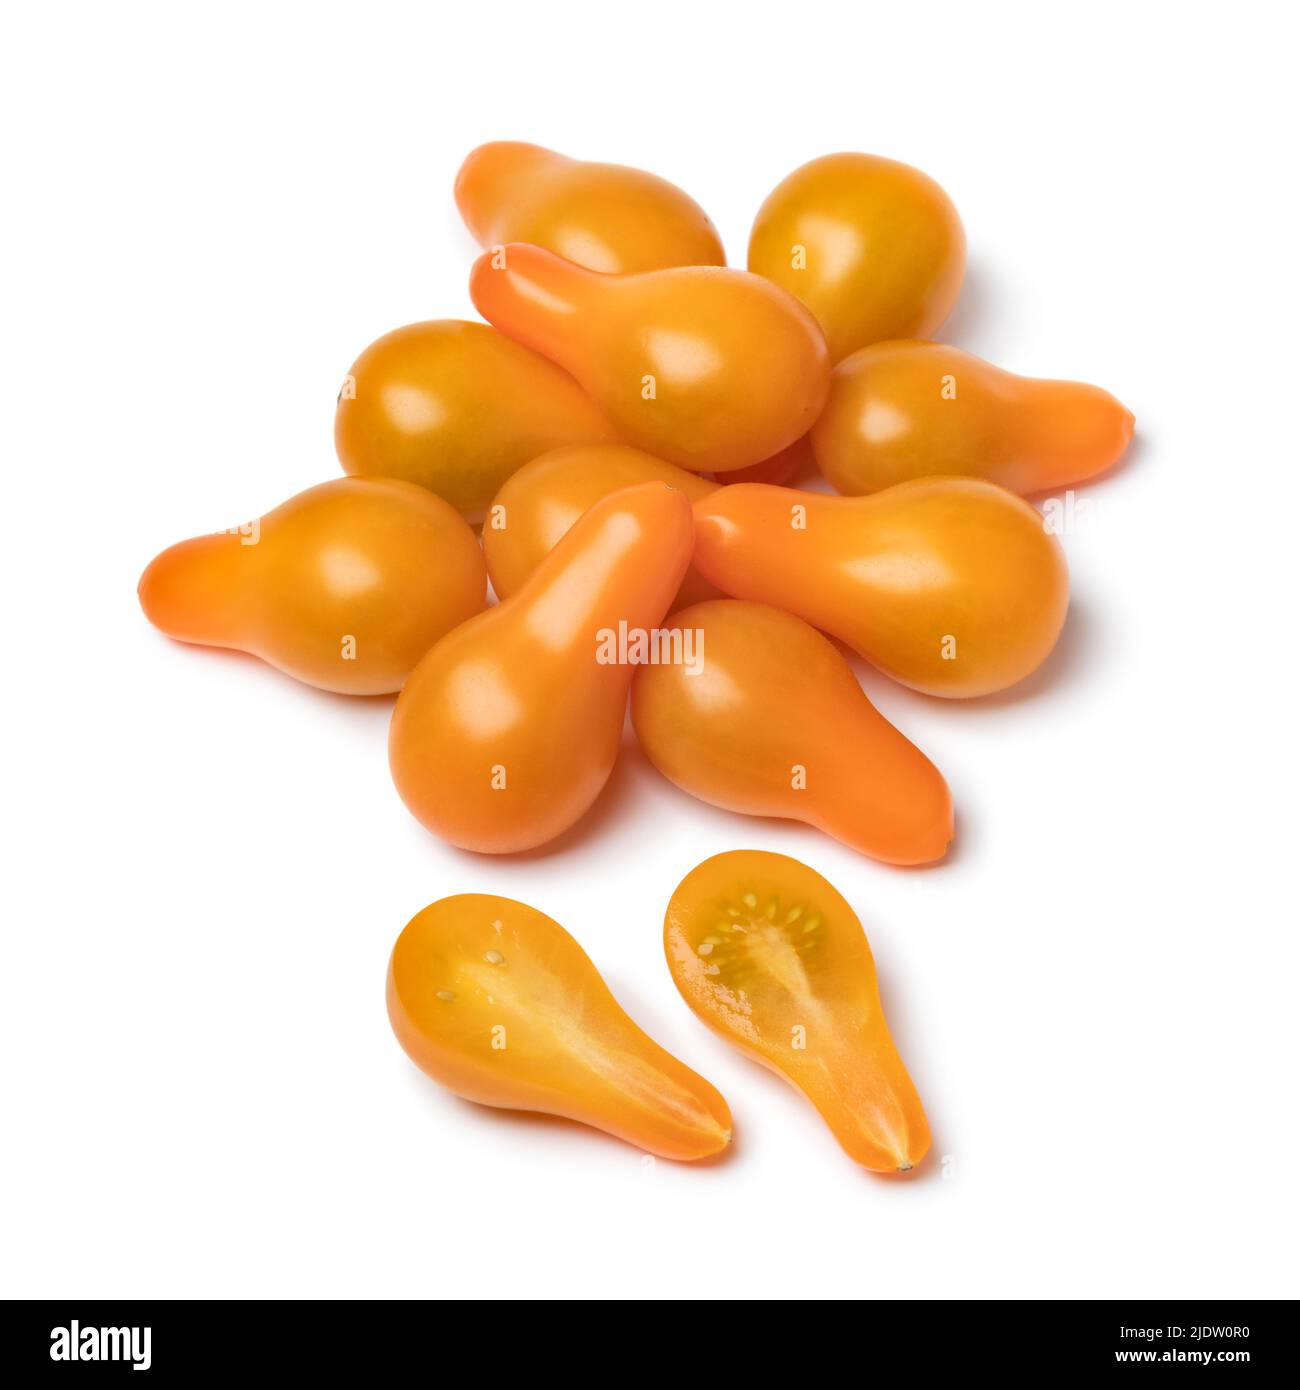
[540, 503]
[904, 410]
[769, 720]
[606, 217]
[457, 407]
[508, 729]
[950, 585]
[873, 247]
[498, 1003]
[708, 368]
[774, 960]
[344, 586]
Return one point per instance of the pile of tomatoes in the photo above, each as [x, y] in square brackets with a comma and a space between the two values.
[625, 428]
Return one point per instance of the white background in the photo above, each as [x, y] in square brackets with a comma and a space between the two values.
[207, 218]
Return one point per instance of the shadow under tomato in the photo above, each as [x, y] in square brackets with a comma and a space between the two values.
[977, 306]
[537, 1121]
[263, 670]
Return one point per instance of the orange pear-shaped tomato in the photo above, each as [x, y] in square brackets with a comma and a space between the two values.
[951, 585]
[873, 247]
[768, 719]
[904, 410]
[544, 498]
[509, 728]
[344, 586]
[457, 407]
[709, 368]
[501, 1005]
[606, 217]
[773, 959]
